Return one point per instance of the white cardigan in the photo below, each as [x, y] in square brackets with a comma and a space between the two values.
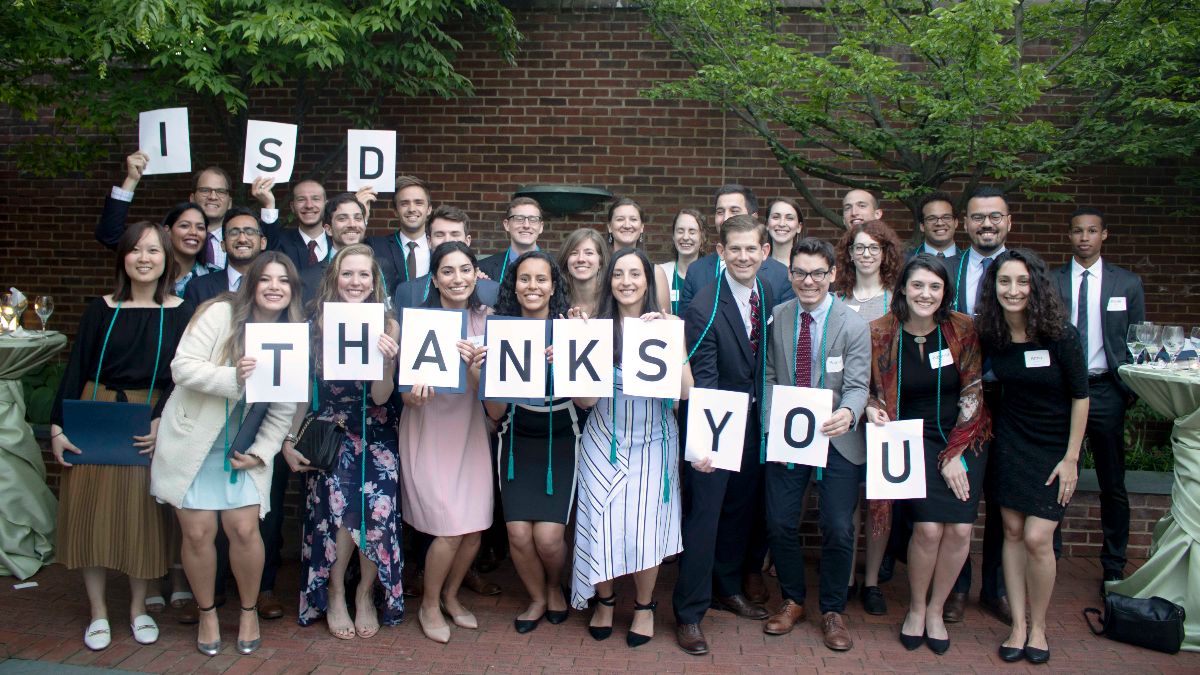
[195, 413]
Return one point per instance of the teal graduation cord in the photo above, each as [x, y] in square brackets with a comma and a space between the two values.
[612, 457]
[612, 452]
[504, 265]
[362, 486]
[676, 283]
[233, 473]
[711, 315]
[762, 371]
[512, 414]
[900, 380]
[157, 352]
[396, 236]
[550, 437]
[961, 281]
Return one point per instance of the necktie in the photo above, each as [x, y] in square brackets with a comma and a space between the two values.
[210, 249]
[1081, 314]
[941, 254]
[755, 321]
[804, 352]
[237, 284]
[984, 264]
[410, 260]
[312, 252]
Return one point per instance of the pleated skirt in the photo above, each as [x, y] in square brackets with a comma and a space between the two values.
[107, 518]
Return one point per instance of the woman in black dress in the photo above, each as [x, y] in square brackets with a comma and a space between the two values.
[538, 445]
[1039, 362]
[925, 364]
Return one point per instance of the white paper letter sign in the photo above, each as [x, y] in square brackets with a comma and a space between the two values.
[652, 357]
[371, 160]
[716, 426]
[429, 349]
[896, 460]
[270, 151]
[515, 367]
[797, 414]
[351, 341]
[281, 371]
[163, 135]
[583, 357]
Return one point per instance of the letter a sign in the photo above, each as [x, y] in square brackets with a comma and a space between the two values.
[896, 460]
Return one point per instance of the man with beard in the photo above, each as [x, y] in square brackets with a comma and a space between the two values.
[859, 206]
[243, 241]
[404, 254]
[345, 223]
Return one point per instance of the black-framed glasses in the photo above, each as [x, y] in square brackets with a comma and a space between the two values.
[520, 219]
[859, 249]
[934, 220]
[995, 217]
[208, 192]
[817, 275]
[236, 232]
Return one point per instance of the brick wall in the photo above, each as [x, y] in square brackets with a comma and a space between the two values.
[569, 111]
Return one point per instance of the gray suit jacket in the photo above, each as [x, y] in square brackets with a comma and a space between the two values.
[849, 336]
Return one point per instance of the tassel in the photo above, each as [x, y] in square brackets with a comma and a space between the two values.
[666, 407]
[612, 452]
[820, 474]
[362, 496]
[550, 438]
[512, 408]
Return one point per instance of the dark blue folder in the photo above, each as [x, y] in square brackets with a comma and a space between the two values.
[104, 431]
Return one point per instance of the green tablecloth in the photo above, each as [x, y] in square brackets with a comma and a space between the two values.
[1173, 570]
[27, 507]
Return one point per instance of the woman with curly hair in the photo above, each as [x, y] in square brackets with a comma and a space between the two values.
[538, 446]
[868, 264]
[1040, 364]
[926, 364]
[352, 508]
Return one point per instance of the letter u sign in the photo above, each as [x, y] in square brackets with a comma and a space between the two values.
[896, 460]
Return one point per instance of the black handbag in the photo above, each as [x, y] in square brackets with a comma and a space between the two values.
[319, 442]
[1154, 623]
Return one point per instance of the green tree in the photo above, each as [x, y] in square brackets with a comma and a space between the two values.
[903, 96]
[95, 64]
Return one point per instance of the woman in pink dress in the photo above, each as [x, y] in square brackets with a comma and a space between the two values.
[445, 466]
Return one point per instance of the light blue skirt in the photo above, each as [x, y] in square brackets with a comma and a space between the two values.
[212, 490]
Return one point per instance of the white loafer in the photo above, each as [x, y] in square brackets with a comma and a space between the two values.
[145, 630]
[98, 635]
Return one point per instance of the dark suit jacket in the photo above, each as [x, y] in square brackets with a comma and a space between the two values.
[724, 358]
[493, 265]
[412, 293]
[953, 256]
[290, 243]
[391, 260]
[206, 287]
[703, 273]
[116, 213]
[310, 281]
[1115, 282]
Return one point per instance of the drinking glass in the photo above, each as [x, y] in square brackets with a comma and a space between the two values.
[43, 306]
[1173, 342]
[1133, 340]
[1152, 339]
[8, 313]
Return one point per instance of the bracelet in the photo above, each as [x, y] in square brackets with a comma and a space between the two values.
[57, 435]
[292, 438]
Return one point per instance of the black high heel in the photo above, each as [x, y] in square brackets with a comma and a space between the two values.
[603, 632]
[637, 639]
[558, 616]
[250, 646]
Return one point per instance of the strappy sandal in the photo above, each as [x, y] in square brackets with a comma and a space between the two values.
[637, 639]
[603, 632]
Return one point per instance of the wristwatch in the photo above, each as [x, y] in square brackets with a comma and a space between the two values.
[291, 437]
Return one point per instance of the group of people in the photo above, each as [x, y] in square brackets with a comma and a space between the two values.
[998, 355]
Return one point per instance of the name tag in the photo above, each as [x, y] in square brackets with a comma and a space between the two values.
[941, 359]
[1116, 304]
[1039, 358]
[833, 364]
[476, 340]
[674, 295]
[854, 307]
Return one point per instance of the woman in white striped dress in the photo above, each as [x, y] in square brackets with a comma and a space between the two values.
[628, 510]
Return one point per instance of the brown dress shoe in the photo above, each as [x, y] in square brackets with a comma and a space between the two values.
[691, 639]
[188, 614]
[741, 605]
[837, 637]
[480, 585]
[997, 607]
[755, 587]
[268, 606]
[784, 619]
[955, 606]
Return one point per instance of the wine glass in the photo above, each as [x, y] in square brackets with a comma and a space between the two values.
[1133, 340]
[1172, 342]
[8, 312]
[1152, 339]
[43, 306]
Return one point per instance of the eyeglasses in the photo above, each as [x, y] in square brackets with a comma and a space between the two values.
[859, 249]
[934, 220]
[817, 275]
[995, 217]
[521, 220]
[239, 231]
[208, 192]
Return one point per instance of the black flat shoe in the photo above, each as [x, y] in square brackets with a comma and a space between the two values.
[911, 642]
[937, 646]
[637, 639]
[1035, 655]
[525, 625]
[873, 602]
[556, 616]
[599, 633]
[1011, 654]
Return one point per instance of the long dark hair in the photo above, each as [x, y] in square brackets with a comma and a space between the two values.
[507, 304]
[435, 259]
[178, 210]
[607, 307]
[922, 261]
[128, 241]
[242, 301]
[1045, 314]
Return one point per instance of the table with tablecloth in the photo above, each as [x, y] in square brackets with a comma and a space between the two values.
[1173, 570]
[27, 506]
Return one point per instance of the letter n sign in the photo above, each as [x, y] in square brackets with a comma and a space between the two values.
[896, 460]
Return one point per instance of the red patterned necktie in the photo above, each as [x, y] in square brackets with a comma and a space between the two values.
[804, 351]
[755, 321]
[312, 252]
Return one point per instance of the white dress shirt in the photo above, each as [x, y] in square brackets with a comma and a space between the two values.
[741, 295]
[1096, 360]
[421, 251]
[974, 271]
[322, 240]
[234, 277]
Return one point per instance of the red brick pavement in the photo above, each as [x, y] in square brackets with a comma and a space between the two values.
[47, 623]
